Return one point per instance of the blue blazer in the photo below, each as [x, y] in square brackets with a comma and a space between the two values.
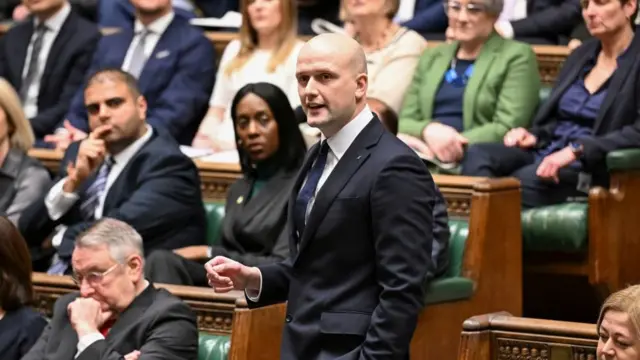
[429, 17]
[176, 81]
[355, 277]
[64, 71]
[158, 193]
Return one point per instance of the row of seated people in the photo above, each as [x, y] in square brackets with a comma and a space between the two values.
[176, 88]
[536, 21]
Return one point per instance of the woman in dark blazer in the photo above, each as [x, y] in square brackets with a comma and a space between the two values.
[271, 150]
[593, 109]
[20, 325]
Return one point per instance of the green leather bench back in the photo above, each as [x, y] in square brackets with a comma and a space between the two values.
[215, 213]
[213, 347]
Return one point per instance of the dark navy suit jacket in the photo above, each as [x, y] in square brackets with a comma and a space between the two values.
[176, 81]
[64, 71]
[429, 17]
[158, 193]
[355, 278]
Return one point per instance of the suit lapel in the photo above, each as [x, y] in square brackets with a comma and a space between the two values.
[21, 43]
[294, 238]
[440, 65]
[619, 77]
[160, 52]
[65, 33]
[356, 155]
[480, 69]
[118, 50]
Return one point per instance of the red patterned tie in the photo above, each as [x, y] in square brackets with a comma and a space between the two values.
[104, 329]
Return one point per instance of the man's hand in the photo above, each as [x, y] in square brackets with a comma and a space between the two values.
[20, 13]
[196, 252]
[225, 275]
[445, 142]
[520, 137]
[86, 316]
[202, 141]
[551, 164]
[574, 44]
[65, 136]
[90, 155]
[134, 355]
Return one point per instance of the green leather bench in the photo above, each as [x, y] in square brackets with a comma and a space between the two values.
[593, 238]
[450, 287]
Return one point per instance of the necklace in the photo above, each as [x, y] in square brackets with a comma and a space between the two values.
[383, 41]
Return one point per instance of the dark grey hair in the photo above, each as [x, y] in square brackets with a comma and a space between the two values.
[494, 7]
[121, 239]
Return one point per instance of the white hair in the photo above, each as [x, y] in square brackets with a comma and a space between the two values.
[121, 239]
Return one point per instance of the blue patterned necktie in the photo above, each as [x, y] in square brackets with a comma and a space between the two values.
[33, 68]
[92, 195]
[309, 188]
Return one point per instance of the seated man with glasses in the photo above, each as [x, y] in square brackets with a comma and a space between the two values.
[124, 170]
[117, 313]
[472, 90]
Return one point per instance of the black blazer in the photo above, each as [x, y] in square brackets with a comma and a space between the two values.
[550, 19]
[155, 322]
[158, 193]
[618, 123]
[355, 279]
[64, 70]
[19, 330]
[254, 231]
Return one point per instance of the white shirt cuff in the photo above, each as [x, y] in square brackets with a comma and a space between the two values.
[506, 28]
[252, 294]
[85, 341]
[57, 238]
[59, 202]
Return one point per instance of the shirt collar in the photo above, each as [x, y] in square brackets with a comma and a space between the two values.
[340, 142]
[158, 26]
[123, 157]
[55, 22]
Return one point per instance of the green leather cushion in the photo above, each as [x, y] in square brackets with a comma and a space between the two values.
[449, 289]
[215, 213]
[560, 227]
[459, 230]
[628, 159]
[213, 347]
[545, 91]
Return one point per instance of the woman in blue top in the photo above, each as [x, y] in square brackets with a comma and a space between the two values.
[593, 109]
[20, 325]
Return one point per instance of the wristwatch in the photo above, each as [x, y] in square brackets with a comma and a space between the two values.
[577, 149]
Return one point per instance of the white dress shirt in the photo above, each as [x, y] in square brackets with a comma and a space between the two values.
[406, 10]
[338, 146]
[156, 29]
[513, 10]
[53, 24]
[59, 202]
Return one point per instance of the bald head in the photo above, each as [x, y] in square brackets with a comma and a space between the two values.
[332, 81]
[341, 47]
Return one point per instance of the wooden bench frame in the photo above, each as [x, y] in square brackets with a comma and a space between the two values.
[501, 336]
[612, 229]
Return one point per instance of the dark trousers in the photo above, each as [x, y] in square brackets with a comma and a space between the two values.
[497, 160]
[163, 266]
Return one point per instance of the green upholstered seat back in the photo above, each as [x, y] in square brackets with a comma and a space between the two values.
[459, 231]
[560, 227]
[213, 347]
[215, 213]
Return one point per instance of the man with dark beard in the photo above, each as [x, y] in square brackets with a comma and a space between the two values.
[173, 62]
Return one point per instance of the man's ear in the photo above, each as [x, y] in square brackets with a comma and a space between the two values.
[141, 105]
[362, 83]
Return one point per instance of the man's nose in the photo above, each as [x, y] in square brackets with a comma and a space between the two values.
[85, 289]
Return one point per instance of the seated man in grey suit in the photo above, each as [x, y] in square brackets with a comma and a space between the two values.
[117, 312]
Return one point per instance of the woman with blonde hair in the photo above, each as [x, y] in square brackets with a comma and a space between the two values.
[619, 326]
[22, 179]
[266, 51]
[392, 51]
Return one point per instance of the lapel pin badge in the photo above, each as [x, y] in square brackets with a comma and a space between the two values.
[240, 200]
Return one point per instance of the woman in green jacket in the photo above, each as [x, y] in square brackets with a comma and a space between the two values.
[472, 90]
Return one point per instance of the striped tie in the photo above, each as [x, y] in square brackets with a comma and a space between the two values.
[33, 68]
[88, 206]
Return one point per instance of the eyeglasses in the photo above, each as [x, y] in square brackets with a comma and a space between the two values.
[93, 278]
[472, 9]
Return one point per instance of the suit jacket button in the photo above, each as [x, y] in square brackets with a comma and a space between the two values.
[288, 318]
